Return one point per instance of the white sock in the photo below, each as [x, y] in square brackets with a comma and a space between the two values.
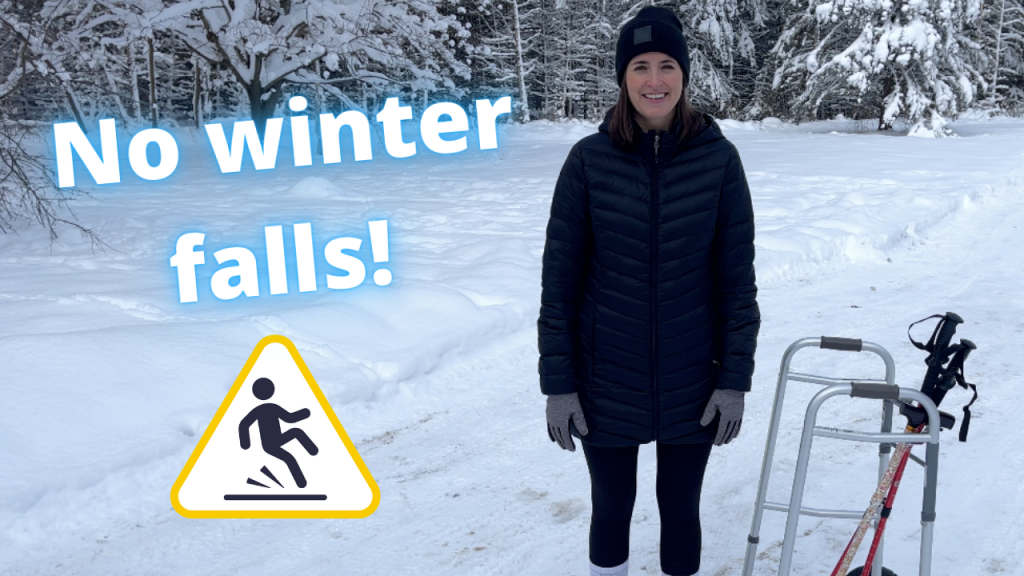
[620, 570]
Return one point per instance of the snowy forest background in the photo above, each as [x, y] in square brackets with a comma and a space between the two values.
[160, 62]
[181, 63]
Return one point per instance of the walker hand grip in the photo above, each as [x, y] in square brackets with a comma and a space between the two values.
[875, 391]
[833, 343]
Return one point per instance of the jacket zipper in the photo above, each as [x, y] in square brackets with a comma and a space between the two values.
[654, 286]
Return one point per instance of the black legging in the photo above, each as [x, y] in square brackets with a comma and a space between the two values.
[613, 491]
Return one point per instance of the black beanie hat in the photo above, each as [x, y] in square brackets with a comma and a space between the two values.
[653, 29]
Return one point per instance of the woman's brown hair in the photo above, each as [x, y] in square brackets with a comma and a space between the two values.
[622, 128]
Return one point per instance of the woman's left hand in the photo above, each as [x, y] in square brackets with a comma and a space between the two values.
[730, 404]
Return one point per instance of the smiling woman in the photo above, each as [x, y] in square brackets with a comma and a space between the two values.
[649, 318]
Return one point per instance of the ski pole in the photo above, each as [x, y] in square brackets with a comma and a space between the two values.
[938, 350]
[937, 381]
[887, 508]
[876, 501]
[952, 375]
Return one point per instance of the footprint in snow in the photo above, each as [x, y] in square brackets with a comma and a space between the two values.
[531, 494]
[567, 510]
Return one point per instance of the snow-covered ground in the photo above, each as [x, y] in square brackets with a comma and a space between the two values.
[109, 381]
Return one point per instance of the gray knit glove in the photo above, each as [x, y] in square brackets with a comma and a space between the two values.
[561, 408]
[730, 404]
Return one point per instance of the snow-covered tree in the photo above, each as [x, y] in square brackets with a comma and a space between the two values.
[1001, 31]
[502, 49]
[99, 53]
[575, 40]
[46, 41]
[757, 99]
[521, 12]
[28, 190]
[264, 44]
[908, 59]
[599, 85]
[118, 42]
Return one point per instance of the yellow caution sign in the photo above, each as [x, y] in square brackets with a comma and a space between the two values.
[275, 449]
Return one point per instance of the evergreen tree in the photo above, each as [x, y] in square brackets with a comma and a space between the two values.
[599, 82]
[907, 59]
[757, 99]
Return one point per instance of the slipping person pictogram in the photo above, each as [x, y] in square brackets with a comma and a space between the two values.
[269, 416]
[275, 389]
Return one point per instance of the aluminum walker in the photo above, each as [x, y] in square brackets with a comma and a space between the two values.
[890, 394]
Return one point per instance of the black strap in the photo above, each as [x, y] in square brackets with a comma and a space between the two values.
[930, 346]
[965, 424]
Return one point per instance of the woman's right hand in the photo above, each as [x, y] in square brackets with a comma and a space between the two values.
[561, 409]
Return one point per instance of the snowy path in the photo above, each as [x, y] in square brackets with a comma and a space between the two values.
[472, 485]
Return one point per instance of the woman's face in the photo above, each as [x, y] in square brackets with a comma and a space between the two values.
[654, 83]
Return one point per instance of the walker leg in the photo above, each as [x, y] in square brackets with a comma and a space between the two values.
[931, 480]
[797, 495]
[748, 560]
[883, 463]
[766, 465]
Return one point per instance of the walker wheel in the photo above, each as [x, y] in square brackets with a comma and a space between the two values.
[857, 571]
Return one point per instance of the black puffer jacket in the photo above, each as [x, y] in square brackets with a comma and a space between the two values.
[645, 320]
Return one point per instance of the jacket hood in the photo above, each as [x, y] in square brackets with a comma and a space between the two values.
[708, 133]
